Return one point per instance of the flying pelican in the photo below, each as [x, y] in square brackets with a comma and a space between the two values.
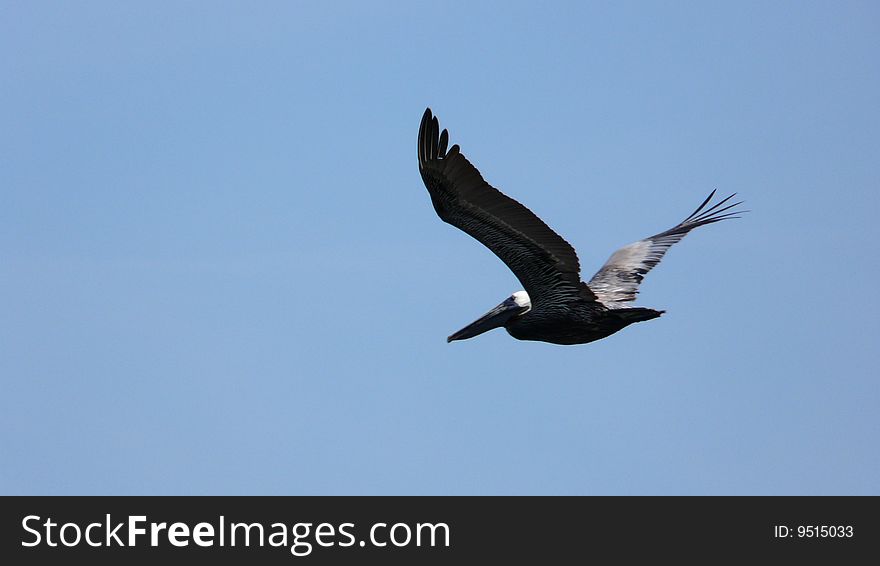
[556, 306]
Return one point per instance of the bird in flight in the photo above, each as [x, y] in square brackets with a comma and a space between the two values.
[556, 306]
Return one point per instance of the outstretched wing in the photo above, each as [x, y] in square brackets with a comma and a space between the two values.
[545, 264]
[617, 283]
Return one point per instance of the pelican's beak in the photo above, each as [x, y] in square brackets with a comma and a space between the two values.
[492, 319]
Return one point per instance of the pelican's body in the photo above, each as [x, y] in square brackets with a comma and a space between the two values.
[556, 306]
[579, 323]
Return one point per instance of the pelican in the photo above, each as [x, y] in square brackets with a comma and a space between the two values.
[556, 306]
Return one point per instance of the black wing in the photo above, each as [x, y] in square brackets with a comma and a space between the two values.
[617, 283]
[545, 264]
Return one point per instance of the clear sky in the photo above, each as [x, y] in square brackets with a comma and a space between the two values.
[220, 272]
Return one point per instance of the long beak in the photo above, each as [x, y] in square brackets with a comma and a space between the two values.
[492, 319]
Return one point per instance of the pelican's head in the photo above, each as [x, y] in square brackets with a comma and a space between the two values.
[515, 305]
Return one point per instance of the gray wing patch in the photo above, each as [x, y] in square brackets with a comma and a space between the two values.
[617, 283]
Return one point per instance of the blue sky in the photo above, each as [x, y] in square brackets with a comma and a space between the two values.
[220, 272]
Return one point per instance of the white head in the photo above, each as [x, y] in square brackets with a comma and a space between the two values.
[521, 298]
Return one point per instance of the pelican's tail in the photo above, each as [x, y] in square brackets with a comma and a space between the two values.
[636, 314]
